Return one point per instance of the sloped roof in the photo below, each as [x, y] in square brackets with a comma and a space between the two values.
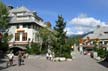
[20, 9]
[98, 33]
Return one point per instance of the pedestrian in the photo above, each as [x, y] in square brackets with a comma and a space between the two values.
[23, 57]
[81, 50]
[19, 58]
[47, 56]
[50, 56]
[10, 59]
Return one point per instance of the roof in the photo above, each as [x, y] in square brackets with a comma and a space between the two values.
[20, 9]
[100, 33]
[27, 13]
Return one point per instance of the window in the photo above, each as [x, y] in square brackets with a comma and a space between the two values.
[17, 36]
[17, 26]
[22, 18]
[20, 14]
[24, 37]
[106, 32]
[29, 26]
[25, 26]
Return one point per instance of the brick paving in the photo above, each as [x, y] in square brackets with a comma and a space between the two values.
[39, 63]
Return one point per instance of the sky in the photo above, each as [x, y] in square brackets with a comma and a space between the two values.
[81, 16]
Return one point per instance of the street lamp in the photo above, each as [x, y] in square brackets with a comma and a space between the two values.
[29, 42]
[1, 37]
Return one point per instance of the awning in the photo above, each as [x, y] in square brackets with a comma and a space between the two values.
[18, 47]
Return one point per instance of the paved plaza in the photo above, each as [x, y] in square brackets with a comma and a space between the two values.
[39, 63]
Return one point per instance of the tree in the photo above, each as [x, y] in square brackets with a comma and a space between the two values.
[4, 26]
[3, 17]
[44, 34]
[61, 48]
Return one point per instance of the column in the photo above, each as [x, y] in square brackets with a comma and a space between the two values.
[103, 42]
[21, 36]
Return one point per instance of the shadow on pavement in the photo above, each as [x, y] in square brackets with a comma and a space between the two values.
[1, 68]
[104, 63]
[2, 61]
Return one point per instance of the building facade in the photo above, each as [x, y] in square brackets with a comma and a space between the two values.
[24, 26]
[99, 35]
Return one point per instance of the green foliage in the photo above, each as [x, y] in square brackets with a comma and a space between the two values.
[60, 48]
[3, 26]
[4, 43]
[44, 33]
[3, 16]
[44, 48]
[102, 52]
[27, 49]
[34, 49]
[48, 38]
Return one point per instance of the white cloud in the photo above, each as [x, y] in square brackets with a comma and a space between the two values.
[70, 32]
[86, 21]
[82, 24]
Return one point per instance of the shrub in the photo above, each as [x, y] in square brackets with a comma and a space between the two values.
[34, 49]
[101, 52]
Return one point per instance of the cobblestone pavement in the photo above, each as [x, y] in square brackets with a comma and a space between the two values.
[39, 63]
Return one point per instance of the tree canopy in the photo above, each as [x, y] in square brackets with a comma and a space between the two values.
[3, 26]
[3, 17]
[61, 48]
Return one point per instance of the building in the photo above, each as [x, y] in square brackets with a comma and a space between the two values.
[24, 26]
[99, 35]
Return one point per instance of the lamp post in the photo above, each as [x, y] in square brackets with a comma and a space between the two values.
[0, 37]
[29, 42]
[49, 45]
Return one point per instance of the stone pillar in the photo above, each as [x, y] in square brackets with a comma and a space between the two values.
[103, 42]
[21, 36]
[107, 47]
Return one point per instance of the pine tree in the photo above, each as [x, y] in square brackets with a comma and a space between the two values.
[61, 50]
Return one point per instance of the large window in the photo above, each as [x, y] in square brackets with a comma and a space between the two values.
[24, 36]
[17, 36]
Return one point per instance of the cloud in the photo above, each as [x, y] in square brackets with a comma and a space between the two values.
[86, 21]
[70, 32]
[82, 24]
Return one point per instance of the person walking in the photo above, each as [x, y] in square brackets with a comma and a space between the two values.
[10, 59]
[23, 57]
[19, 58]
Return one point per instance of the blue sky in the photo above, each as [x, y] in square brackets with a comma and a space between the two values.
[81, 15]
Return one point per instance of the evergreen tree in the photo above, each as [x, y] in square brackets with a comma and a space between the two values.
[61, 48]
